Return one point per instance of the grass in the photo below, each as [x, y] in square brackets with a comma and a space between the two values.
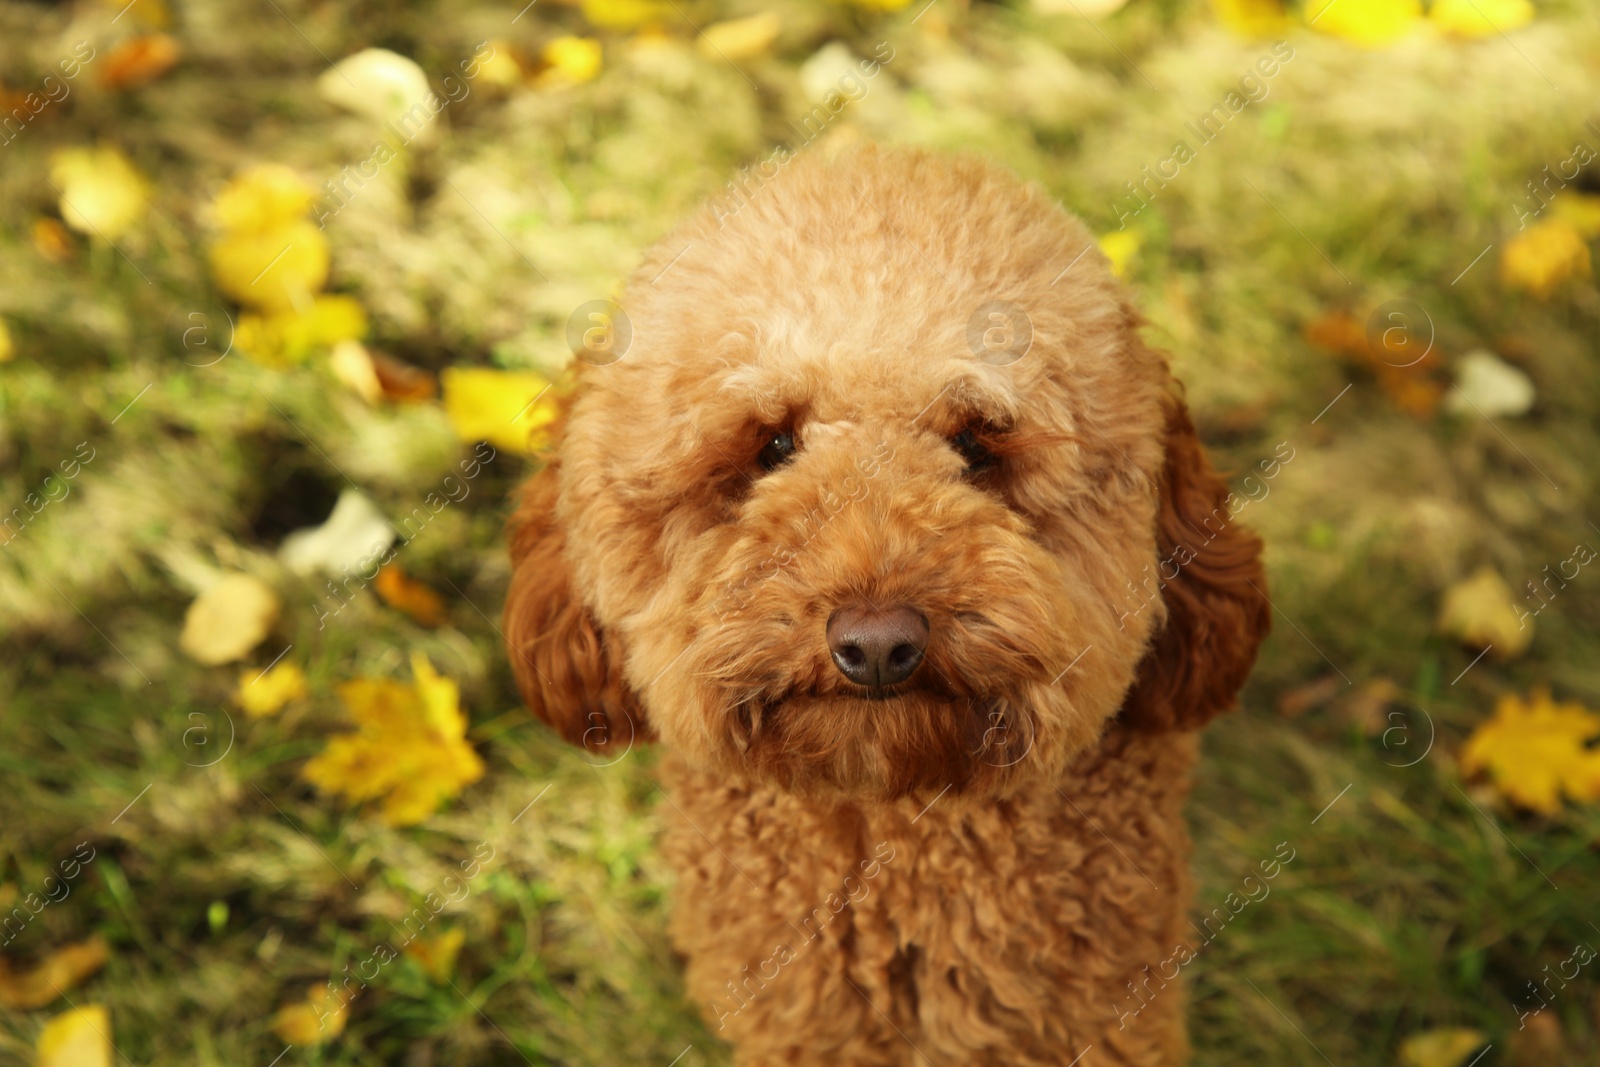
[226, 887]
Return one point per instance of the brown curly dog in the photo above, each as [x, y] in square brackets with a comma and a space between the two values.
[890, 529]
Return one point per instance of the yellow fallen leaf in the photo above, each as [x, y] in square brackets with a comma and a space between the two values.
[352, 365]
[1120, 247]
[743, 38]
[1251, 18]
[262, 198]
[139, 61]
[437, 955]
[229, 619]
[501, 68]
[77, 1038]
[1543, 256]
[318, 1018]
[1480, 18]
[1535, 752]
[896, 5]
[62, 970]
[1440, 1048]
[102, 194]
[569, 61]
[626, 14]
[8, 350]
[413, 598]
[505, 408]
[1582, 212]
[264, 693]
[410, 749]
[1480, 612]
[1371, 23]
[275, 270]
[285, 338]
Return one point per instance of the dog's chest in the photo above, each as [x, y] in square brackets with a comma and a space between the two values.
[1020, 905]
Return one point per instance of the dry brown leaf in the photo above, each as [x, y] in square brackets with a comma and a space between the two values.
[1302, 698]
[1366, 708]
[139, 61]
[1413, 382]
[52, 241]
[54, 975]
[405, 594]
[402, 381]
[1540, 1042]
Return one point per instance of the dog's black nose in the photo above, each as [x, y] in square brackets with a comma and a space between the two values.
[877, 647]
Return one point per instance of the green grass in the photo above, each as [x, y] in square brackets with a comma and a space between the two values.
[1417, 900]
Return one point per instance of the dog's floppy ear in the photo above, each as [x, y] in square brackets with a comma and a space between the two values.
[567, 675]
[1217, 609]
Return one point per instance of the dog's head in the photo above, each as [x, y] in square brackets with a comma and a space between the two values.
[886, 496]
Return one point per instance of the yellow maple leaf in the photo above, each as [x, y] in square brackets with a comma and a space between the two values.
[1440, 1048]
[411, 748]
[1543, 256]
[1534, 752]
[7, 349]
[264, 693]
[77, 1038]
[1371, 23]
[102, 194]
[318, 1018]
[1480, 18]
[1251, 18]
[437, 955]
[881, 5]
[509, 409]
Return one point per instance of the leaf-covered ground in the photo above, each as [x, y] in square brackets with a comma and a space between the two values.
[224, 887]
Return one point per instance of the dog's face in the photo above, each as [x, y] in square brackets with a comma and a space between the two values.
[885, 496]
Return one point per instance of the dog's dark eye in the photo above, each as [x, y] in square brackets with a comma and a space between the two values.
[777, 451]
[974, 451]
